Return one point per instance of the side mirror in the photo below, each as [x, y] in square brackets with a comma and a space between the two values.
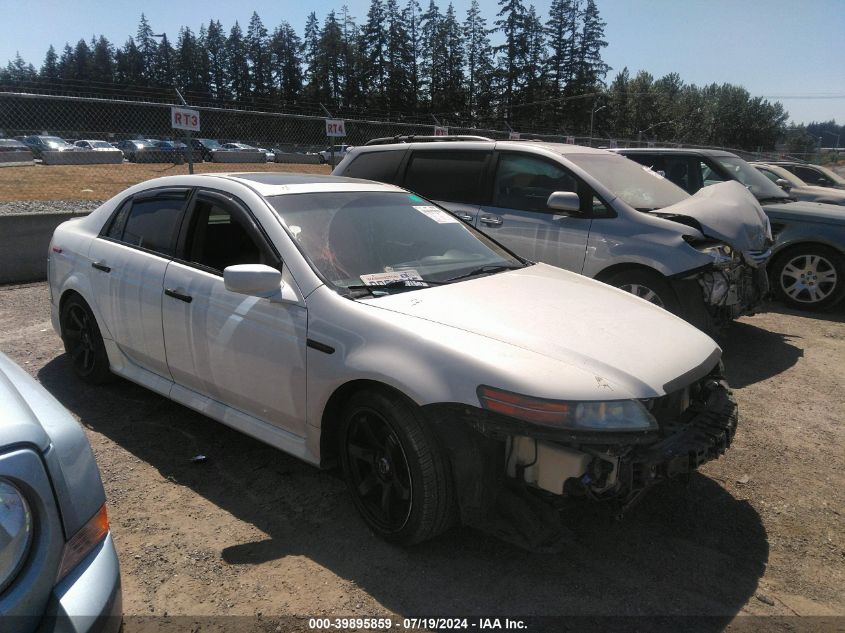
[566, 201]
[256, 280]
[784, 184]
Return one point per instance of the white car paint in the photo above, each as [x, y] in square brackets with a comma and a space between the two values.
[243, 360]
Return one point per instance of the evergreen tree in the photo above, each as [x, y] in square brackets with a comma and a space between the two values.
[561, 29]
[478, 55]
[187, 70]
[258, 56]
[512, 52]
[50, 68]
[412, 17]
[310, 55]
[398, 59]
[351, 59]
[590, 69]
[433, 58]
[129, 64]
[218, 60]
[147, 46]
[374, 55]
[201, 62]
[454, 97]
[67, 63]
[81, 70]
[237, 64]
[285, 47]
[18, 70]
[102, 60]
[535, 88]
[163, 70]
[327, 78]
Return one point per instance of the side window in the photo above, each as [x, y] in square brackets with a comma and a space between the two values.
[380, 166]
[769, 174]
[221, 235]
[118, 221]
[677, 170]
[708, 176]
[154, 222]
[447, 176]
[525, 182]
[811, 176]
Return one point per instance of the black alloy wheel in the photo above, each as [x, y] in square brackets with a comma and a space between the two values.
[83, 342]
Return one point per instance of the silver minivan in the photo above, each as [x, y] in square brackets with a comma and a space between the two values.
[593, 212]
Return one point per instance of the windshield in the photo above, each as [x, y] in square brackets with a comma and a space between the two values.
[757, 183]
[839, 180]
[640, 187]
[101, 144]
[210, 143]
[54, 141]
[374, 238]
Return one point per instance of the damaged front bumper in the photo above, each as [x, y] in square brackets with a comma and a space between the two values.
[696, 425]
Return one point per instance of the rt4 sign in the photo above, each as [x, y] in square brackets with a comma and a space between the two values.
[185, 119]
[335, 127]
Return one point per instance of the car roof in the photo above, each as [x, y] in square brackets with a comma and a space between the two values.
[529, 145]
[674, 150]
[280, 183]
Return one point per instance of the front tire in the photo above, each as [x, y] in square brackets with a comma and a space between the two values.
[648, 285]
[395, 471]
[83, 342]
[809, 277]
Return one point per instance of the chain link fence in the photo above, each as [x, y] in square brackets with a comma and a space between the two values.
[111, 144]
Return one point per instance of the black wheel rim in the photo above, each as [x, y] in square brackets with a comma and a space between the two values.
[379, 474]
[79, 338]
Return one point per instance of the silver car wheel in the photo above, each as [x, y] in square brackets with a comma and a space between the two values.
[808, 278]
[643, 292]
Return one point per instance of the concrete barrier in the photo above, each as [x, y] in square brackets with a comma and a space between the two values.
[82, 157]
[235, 156]
[16, 158]
[301, 159]
[24, 240]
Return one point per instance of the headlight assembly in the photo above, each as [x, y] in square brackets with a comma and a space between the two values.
[605, 415]
[15, 532]
[721, 253]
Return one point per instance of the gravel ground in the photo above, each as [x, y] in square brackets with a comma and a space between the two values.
[52, 206]
[251, 530]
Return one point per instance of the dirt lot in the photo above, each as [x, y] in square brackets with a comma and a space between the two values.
[100, 182]
[251, 530]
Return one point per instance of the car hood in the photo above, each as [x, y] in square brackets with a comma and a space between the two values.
[822, 192]
[727, 212]
[806, 212]
[631, 347]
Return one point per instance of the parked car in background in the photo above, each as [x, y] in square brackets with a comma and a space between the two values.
[394, 317]
[206, 147]
[132, 148]
[99, 146]
[807, 268]
[12, 145]
[58, 566]
[242, 147]
[816, 175]
[271, 156]
[595, 213]
[39, 144]
[339, 151]
[797, 188]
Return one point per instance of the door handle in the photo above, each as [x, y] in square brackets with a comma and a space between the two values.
[466, 217]
[101, 266]
[491, 220]
[178, 295]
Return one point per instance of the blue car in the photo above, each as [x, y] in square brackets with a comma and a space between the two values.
[58, 565]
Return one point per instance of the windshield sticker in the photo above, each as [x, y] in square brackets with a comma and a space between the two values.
[438, 215]
[410, 277]
[415, 198]
[656, 174]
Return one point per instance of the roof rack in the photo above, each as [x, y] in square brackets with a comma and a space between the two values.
[424, 139]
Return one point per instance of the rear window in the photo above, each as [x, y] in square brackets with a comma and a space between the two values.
[447, 176]
[380, 166]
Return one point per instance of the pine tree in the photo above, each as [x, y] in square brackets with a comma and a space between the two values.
[67, 63]
[561, 30]
[412, 17]
[186, 69]
[478, 55]
[147, 46]
[328, 75]
[218, 60]
[285, 47]
[398, 59]
[163, 63]
[454, 97]
[102, 60]
[310, 55]
[237, 64]
[590, 69]
[81, 62]
[512, 53]
[50, 67]
[351, 59]
[258, 56]
[433, 58]
[535, 87]
[374, 55]
[129, 64]
[19, 70]
[201, 63]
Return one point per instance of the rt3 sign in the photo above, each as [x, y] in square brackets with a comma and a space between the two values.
[185, 119]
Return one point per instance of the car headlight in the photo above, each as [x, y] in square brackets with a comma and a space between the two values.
[15, 532]
[721, 253]
[602, 415]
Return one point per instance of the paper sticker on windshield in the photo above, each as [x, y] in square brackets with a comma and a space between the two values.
[438, 215]
[410, 277]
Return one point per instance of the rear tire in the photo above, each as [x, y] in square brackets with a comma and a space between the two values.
[83, 342]
[396, 473]
[648, 285]
[809, 277]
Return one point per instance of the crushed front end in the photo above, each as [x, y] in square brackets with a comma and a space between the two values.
[691, 426]
[735, 284]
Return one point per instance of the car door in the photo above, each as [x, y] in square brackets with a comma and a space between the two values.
[451, 178]
[244, 351]
[128, 261]
[519, 217]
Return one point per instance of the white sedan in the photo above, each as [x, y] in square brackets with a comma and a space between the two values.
[354, 323]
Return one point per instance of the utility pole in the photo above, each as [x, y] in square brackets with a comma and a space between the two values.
[592, 116]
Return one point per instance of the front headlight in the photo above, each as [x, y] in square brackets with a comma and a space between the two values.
[721, 253]
[605, 415]
[15, 532]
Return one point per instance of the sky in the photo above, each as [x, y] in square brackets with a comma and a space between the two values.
[783, 50]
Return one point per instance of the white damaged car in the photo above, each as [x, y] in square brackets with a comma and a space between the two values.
[353, 323]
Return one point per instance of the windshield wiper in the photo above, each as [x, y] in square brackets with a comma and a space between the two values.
[488, 268]
[412, 284]
[771, 199]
